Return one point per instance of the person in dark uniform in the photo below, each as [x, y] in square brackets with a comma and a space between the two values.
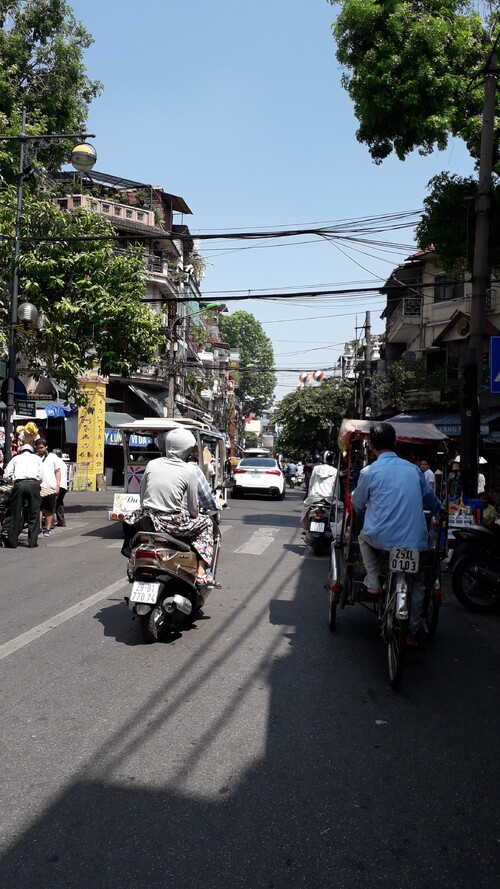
[25, 470]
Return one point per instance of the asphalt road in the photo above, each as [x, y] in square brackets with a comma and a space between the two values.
[256, 750]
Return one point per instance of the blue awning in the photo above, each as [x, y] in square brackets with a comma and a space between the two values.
[56, 409]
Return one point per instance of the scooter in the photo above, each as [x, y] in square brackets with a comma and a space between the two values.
[291, 480]
[318, 532]
[299, 480]
[162, 570]
[475, 567]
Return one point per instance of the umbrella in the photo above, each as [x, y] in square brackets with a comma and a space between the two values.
[457, 459]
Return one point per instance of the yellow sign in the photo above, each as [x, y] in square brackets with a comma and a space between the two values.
[90, 442]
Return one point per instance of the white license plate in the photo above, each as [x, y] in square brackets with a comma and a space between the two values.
[144, 592]
[403, 559]
[317, 526]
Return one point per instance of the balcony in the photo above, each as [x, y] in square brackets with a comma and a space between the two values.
[110, 209]
[406, 317]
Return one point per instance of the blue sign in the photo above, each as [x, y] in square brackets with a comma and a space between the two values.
[495, 364]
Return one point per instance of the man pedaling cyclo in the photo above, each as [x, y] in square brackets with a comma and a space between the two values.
[394, 494]
[170, 492]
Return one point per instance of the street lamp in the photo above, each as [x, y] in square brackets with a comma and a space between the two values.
[83, 158]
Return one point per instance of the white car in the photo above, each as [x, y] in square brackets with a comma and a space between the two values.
[258, 475]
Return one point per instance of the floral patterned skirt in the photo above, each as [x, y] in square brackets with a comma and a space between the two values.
[199, 531]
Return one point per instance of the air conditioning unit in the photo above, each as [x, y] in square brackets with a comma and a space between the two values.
[463, 329]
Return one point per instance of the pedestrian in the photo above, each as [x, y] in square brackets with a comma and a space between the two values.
[429, 475]
[51, 478]
[25, 471]
[63, 487]
[489, 515]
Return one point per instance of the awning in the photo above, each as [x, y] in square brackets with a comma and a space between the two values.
[113, 418]
[156, 399]
[57, 409]
[449, 423]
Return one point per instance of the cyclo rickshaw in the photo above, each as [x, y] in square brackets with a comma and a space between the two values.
[346, 571]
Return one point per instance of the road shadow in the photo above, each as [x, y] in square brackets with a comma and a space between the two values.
[355, 785]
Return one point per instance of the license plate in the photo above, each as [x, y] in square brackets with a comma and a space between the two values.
[317, 526]
[403, 559]
[144, 592]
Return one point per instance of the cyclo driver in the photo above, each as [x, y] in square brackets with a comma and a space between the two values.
[394, 493]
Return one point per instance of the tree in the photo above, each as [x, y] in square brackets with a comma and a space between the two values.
[310, 418]
[42, 69]
[256, 378]
[414, 72]
[448, 223]
[89, 296]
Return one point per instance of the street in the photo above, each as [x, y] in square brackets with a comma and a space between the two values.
[256, 749]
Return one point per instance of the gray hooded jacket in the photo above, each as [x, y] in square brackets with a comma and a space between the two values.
[169, 484]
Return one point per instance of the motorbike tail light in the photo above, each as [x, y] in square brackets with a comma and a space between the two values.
[437, 587]
[146, 553]
[336, 588]
[319, 513]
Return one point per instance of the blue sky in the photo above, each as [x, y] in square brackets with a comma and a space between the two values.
[238, 108]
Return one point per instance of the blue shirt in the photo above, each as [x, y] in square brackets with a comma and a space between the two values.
[394, 493]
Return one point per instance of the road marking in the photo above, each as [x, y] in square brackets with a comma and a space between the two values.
[25, 638]
[258, 542]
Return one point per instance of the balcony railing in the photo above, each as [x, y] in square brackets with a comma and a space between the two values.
[409, 309]
[111, 209]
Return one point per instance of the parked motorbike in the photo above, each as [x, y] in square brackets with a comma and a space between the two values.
[475, 567]
[291, 480]
[162, 570]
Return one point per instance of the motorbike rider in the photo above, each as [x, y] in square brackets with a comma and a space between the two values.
[321, 485]
[393, 492]
[291, 471]
[169, 495]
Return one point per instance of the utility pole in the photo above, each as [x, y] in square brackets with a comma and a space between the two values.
[471, 375]
[367, 384]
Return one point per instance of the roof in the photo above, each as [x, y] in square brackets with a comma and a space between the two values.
[411, 433]
[120, 183]
[489, 329]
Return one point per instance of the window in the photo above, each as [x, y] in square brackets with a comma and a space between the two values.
[445, 290]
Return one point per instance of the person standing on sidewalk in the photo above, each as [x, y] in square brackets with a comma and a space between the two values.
[51, 477]
[63, 487]
[25, 471]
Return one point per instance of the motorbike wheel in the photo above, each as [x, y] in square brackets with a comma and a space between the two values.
[317, 546]
[395, 631]
[149, 626]
[472, 593]
[431, 616]
[332, 610]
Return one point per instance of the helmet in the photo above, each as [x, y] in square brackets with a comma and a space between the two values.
[328, 457]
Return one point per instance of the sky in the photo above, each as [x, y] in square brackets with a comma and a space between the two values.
[238, 108]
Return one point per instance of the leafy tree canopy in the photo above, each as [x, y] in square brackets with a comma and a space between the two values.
[255, 380]
[414, 71]
[449, 222]
[90, 296]
[310, 418]
[41, 68]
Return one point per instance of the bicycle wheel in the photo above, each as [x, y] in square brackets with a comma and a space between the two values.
[395, 632]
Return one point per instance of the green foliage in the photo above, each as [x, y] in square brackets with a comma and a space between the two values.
[251, 440]
[310, 418]
[256, 379]
[91, 297]
[41, 67]
[449, 221]
[414, 72]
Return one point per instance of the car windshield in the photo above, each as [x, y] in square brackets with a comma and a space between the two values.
[263, 462]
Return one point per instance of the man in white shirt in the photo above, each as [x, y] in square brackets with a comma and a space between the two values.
[51, 478]
[26, 472]
[321, 485]
[429, 475]
[63, 487]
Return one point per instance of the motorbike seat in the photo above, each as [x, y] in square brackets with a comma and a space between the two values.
[160, 538]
